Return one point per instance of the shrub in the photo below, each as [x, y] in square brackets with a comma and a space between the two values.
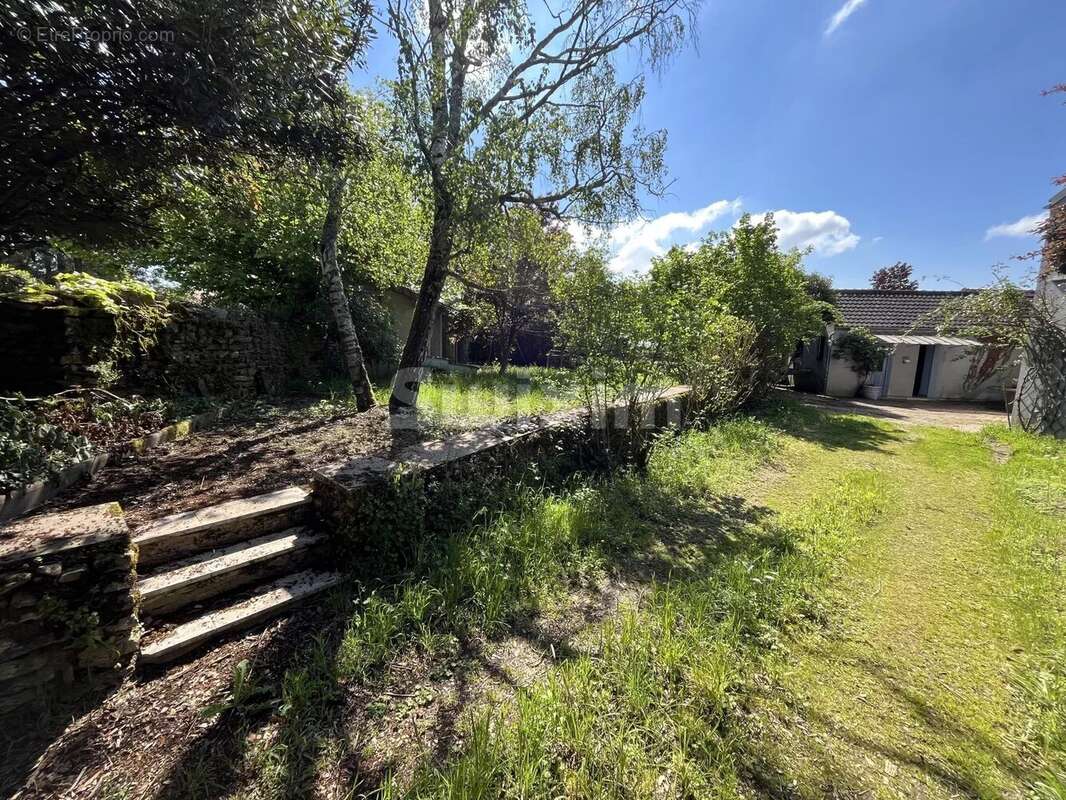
[864, 350]
[138, 313]
[722, 319]
[31, 447]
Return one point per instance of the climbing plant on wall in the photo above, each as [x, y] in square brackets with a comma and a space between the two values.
[138, 312]
[865, 352]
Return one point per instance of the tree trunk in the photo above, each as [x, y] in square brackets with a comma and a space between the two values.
[338, 299]
[410, 374]
[505, 343]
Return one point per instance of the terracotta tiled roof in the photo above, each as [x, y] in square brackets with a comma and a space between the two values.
[890, 312]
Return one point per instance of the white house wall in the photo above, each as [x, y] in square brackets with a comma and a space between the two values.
[841, 380]
[901, 374]
[951, 367]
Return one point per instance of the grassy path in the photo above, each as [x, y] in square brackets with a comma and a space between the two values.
[794, 605]
[888, 622]
[911, 693]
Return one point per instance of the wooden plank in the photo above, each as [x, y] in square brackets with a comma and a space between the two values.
[213, 573]
[274, 598]
[191, 532]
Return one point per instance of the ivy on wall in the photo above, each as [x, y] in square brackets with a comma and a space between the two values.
[138, 313]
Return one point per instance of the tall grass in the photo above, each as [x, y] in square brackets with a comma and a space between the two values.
[1031, 543]
[656, 709]
[511, 564]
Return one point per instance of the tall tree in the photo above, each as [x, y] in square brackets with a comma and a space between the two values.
[510, 105]
[95, 128]
[92, 129]
[509, 276]
[337, 298]
[896, 278]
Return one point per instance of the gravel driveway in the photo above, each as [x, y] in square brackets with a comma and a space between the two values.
[960, 416]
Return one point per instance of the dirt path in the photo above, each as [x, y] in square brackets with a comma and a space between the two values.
[236, 459]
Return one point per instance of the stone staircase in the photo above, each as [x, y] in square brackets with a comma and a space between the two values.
[208, 572]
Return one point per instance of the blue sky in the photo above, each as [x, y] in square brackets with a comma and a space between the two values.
[879, 130]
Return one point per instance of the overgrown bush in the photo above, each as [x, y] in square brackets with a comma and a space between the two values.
[606, 326]
[31, 447]
[722, 319]
[40, 437]
[139, 314]
[1011, 321]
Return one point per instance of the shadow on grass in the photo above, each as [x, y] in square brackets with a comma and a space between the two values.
[294, 712]
[837, 431]
[316, 714]
[769, 772]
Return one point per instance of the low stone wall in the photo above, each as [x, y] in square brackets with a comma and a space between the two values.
[378, 510]
[67, 604]
[46, 348]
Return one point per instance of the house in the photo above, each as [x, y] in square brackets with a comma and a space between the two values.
[920, 364]
[445, 346]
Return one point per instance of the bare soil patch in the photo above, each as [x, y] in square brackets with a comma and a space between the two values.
[240, 458]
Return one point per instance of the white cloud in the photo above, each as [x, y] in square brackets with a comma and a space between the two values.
[1021, 229]
[827, 232]
[845, 11]
[877, 239]
[633, 245]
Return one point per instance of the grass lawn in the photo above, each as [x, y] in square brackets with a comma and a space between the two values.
[472, 399]
[790, 605]
[838, 608]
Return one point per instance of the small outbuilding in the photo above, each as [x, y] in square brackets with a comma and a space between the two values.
[920, 364]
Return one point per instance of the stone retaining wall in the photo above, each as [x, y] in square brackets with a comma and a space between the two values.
[226, 352]
[46, 348]
[209, 351]
[67, 604]
[377, 509]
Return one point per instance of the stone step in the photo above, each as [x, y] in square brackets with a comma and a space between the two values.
[189, 532]
[272, 599]
[210, 574]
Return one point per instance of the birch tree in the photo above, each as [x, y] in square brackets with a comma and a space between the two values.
[508, 104]
[337, 298]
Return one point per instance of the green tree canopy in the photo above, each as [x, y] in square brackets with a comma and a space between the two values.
[722, 318]
[248, 233]
[93, 129]
[507, 104]
[508, 276]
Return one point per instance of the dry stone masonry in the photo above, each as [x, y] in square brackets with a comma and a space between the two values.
[227, 352]
[201, 350]
[44, 348]
[67, 606]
